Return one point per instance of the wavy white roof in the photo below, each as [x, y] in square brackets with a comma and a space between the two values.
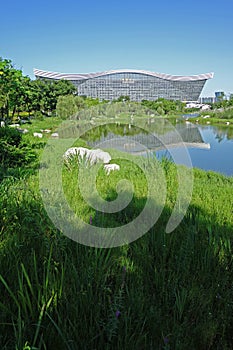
[67, 76]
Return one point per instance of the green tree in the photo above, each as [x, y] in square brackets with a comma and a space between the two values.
[80, 102]
[11, 88]
[45, 94]
[87, 101]
[66, 106]
[19, 93]
[168, 106]
[122, 99]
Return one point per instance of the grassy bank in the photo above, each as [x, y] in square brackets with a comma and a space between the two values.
[214, 121]
[221, 116]
[163, 291]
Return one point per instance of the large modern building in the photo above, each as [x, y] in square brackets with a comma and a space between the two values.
[137, 84]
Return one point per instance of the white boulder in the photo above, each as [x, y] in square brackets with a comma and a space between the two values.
[111, 167]
[97, 155]
[93, 156]
[76, 151]
[23, 131]
[14, 125]
[38, 134]
[46, 131]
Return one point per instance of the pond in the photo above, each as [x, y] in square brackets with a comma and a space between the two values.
[220, 155]
[209, 147]
[217, 157]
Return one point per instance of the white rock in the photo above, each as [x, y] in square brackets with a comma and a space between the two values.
[2, 124]
[14, 126]
[76, 151]
[46, 131]
[93, 156]
[37, 134]
[111, 167]
[97, 155]
[23, 131]
[205, 107]
[55, 134]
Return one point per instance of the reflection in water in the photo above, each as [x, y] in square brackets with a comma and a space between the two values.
[210, 148]
[223, 133]
[220, 156]
[131, 139]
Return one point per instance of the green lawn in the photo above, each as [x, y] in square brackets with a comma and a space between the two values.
[163, 291]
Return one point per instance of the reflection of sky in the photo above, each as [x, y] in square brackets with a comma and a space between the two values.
[218, 158]
[179, 155]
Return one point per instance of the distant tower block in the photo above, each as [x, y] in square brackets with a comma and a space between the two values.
[219, 96]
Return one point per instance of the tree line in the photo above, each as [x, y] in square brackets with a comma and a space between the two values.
[18, 93]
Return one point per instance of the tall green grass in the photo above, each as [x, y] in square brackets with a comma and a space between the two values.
[163, 291]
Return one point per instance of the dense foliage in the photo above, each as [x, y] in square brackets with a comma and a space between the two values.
[163, 106]
[12, 88]
[14, 153]
[19, 93]
[223, 103]
[69, 105]
[220, 113]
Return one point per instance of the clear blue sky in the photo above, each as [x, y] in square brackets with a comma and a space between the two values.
[175, 37]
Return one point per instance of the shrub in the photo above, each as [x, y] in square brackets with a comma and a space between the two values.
[38, 115]
[10, 136]
[66, 106]
[13, 152]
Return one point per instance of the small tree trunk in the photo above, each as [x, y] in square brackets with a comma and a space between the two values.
[7, 110]
[2, 113]
[13, 112]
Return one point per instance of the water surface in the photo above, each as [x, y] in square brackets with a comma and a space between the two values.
[209, 147]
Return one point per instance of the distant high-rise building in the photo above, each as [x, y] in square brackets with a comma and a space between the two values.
[219, 96]
[137, 84]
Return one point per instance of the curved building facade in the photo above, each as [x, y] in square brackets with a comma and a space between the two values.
[137, 84]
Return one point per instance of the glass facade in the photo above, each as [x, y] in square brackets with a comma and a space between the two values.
[137, 84]
[138, 87]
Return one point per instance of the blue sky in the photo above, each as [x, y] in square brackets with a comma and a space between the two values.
[174, 37]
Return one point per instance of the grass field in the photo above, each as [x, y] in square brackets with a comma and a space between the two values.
[163, 291]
